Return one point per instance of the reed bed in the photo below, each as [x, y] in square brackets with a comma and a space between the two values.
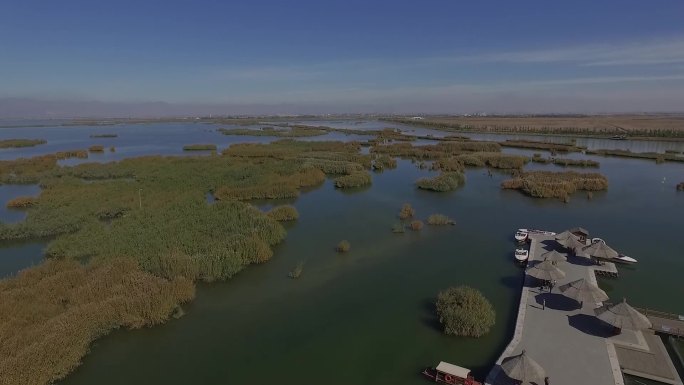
[81, 154]
[284, 213]
[22, 202]
[356, 179]
[103, 136]
[442, 149]
[96, 148]
[20, 143]
[546, 184]
[576, 162]
[158, 223]
[199, 147]
[440, 220]
[446, 181]
[536, 145]
[383, 162]
[658, 157]
[50, 314]
[448, 164]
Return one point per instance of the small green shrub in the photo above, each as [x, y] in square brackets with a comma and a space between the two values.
[406, 211]
[416, 225]
[343, 246]
[464, 311]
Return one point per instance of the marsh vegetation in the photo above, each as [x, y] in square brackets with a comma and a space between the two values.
[199, 147]
[19, 143]
[464, 311]
[284, 213]
[343, 246]
[446, 181]
[546, 184]
[439, 219]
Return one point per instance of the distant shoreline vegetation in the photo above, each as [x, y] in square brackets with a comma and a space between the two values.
[20, 143]
[104, 135]
[637, 127]
[199, 147]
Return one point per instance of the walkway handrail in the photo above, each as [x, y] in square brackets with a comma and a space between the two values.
[660, 314]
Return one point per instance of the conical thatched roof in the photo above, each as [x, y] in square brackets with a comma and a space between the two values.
[523, 368]
[554, 256]
[600, 250]
[582, 290]
[546, 271]
[569, 240]
[623, 316]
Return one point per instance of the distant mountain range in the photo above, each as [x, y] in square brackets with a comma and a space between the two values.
[19, 108]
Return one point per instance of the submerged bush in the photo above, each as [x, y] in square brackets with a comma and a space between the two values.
[464, 311]
[398, 228]
[356, 179]
[439, 219]
[284, 213]
[406, 211]
[343, 246]
[96, 148]
[384, 162]
[446, 181]
[297, 271]
[416, 225]
[680, 187]
[22, 202]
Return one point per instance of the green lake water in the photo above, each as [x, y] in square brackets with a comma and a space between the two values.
[367, 316]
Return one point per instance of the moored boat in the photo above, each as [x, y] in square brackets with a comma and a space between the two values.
[521, 254]
[521, 235]
[450, 374]
[624, 259]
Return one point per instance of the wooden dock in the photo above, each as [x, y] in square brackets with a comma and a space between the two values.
[546, 325]
[666, 323]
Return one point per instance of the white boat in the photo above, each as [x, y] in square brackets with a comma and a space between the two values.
[521, 235]
[542, 232]
[521, 255]
[624, 259]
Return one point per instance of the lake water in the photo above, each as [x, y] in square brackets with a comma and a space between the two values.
[367, 317]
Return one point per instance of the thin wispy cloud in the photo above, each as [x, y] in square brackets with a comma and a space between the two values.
[622, 54]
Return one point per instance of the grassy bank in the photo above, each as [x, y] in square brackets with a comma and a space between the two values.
[19, 143]
[199, 147]
[447, 181]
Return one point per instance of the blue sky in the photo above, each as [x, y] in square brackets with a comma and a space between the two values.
[385, 56]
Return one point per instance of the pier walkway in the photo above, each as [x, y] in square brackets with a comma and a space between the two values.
[570, 343]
